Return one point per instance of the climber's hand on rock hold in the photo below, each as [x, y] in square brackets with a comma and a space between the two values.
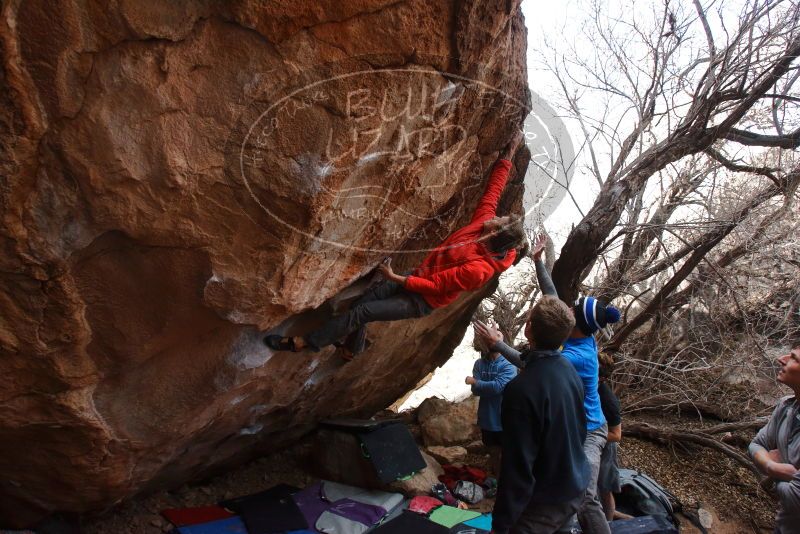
[385, 268]
[512, 146]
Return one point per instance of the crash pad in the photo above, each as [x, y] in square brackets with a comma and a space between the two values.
[366, 514]
[393, 452]
[232, 525]
[311, 502]
[193, 516]
[271, 515]
[330, 523]
[450, 516]
[483, 522]
[409, 522]
[278, 491]
[648, 524]
[334, 492]
[462, 528]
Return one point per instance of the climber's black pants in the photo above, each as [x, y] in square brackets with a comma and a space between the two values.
[386, 301]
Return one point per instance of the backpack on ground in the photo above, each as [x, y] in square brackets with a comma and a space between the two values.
[646, 524]
[643, 496]
[468, 492]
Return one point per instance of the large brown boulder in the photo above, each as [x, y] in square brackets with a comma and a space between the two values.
[448, 455]
[180, 177]
[448, 423]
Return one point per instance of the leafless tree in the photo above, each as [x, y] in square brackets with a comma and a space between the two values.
[690, 122]
[681, 101]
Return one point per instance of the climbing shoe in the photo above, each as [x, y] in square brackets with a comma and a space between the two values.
[280, 343]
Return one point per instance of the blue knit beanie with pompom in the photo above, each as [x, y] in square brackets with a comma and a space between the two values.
[591, 315]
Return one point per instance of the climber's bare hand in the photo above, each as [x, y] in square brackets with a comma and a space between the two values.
[385, 268]
[513, 145]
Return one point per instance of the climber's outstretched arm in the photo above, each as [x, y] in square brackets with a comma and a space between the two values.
[385, 268]
[497, 182]
[467, 277]
[546, 285]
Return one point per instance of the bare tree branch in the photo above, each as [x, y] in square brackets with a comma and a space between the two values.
[743, 137]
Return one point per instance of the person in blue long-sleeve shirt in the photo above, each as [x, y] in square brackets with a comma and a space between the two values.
[490, 374]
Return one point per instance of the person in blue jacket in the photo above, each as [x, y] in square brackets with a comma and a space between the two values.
[490, 374]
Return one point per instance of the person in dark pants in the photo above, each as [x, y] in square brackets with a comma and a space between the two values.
[608, 476]
[544, 471]
[465, 261]
[490, 374]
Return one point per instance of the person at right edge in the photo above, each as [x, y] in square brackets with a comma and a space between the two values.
[581, 350]
[776, 448]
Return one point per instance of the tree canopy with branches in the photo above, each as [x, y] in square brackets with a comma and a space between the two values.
[689, 124]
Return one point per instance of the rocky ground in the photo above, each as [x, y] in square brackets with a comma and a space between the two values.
[141, 516]
[704, 479]
[699, 478]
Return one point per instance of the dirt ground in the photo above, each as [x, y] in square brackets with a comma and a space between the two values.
[704, 479]
[699, 478]
[141, 516]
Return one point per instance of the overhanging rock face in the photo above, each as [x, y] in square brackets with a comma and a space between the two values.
[180, 177]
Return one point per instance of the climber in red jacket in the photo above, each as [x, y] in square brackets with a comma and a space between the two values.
[467, 260]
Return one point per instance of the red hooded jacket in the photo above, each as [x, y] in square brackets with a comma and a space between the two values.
[462, 262]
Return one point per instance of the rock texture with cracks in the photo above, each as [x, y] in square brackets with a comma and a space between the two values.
[180, 177]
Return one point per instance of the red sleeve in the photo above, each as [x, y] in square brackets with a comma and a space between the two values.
[462, 278]
[497, 182]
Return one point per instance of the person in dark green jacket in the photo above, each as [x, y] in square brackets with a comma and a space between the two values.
[544, 473]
